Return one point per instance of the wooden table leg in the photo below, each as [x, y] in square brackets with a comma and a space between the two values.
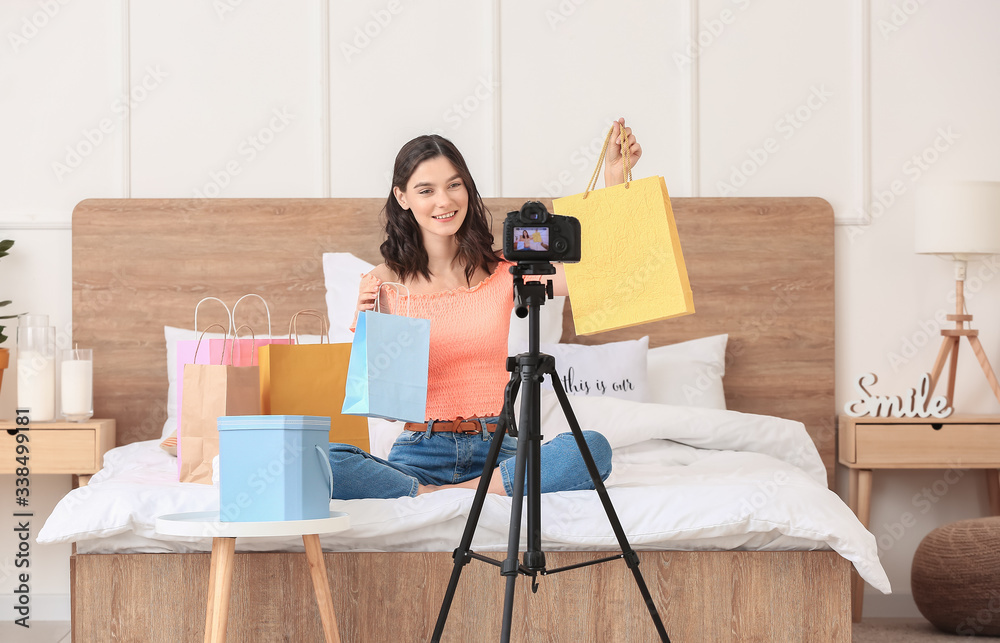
[220, 580]
[852, 490]
[321, 584]
[860, 493]
[864, 509]
[993, 490]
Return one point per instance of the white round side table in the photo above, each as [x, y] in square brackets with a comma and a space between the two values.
[206, 524]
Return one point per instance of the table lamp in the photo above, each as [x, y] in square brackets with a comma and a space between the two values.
[959, 221]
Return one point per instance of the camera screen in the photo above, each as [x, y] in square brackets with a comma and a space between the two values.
[531, 238]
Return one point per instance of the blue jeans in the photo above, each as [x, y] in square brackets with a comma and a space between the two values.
[428, 458]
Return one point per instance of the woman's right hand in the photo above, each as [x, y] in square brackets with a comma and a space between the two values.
[367, 292]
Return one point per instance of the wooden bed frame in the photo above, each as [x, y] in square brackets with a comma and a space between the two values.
[761, 270]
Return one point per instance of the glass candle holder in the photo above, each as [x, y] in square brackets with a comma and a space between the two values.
[36, 367]
[77, 384]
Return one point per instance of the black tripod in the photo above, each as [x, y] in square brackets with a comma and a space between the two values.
[530, 368]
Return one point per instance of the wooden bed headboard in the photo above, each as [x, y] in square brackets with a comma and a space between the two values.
[761, 269]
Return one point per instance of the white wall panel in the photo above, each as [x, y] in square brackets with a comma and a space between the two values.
[60, 106]
[570, 68]
[399, 69]
[779, 100]
[230, 98]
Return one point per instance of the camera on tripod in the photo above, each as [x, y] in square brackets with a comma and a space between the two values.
[534, 234]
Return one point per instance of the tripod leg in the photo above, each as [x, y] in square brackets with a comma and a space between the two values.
[628, 554]
[510, 565]
[461, 555]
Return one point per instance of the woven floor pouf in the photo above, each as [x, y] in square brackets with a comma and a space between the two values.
[955, 577]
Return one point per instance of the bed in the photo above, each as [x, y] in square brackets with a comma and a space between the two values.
[762, 272]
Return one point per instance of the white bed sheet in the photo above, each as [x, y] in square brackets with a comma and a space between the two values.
[683, 479]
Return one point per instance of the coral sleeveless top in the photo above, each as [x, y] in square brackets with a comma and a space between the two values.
[467, 370]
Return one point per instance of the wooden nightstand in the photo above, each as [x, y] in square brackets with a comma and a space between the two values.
[75, 448]
[956, 442]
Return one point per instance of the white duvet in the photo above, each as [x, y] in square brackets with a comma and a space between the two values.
[683, 478]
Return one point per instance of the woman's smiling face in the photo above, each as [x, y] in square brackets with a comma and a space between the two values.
[437, 197]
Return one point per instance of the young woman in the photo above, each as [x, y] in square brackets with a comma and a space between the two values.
[439, 245]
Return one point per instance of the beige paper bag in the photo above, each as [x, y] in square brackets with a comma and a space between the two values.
[211, 391]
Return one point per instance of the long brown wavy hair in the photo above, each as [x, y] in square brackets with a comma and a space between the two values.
[403, 249]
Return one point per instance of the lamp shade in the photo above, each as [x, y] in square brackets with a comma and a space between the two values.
[961, 219]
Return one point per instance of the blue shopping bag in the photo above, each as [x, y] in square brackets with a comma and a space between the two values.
[387, 372]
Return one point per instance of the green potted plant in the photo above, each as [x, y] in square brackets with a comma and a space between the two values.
[5, 245]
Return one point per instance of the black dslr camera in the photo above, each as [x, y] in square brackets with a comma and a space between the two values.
[534, 234]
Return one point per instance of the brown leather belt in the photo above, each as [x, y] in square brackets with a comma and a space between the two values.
[471, 426]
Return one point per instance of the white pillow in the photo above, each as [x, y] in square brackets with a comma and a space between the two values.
[689, 373]
[342, 273]
[617, 369]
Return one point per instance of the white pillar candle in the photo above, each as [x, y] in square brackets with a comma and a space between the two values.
[36, 385]
[76, 379]
[77, 388]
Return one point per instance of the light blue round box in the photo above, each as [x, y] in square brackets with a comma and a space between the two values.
[274, 467]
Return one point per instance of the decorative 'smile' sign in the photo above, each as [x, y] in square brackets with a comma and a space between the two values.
[914, 404]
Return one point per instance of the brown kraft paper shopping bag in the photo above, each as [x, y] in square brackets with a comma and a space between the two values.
[211, 391]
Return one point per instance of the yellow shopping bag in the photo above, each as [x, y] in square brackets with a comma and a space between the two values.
[631, 268]
[310, 379]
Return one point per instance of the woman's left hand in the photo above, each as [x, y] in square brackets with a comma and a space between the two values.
[614, 168]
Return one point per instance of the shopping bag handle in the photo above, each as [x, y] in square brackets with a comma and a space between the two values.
[397, 286]
[324, 456]
[228, 312]
[202, 336]
[266, 309]
[309, 312]
[236, 336]
[626, 157]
